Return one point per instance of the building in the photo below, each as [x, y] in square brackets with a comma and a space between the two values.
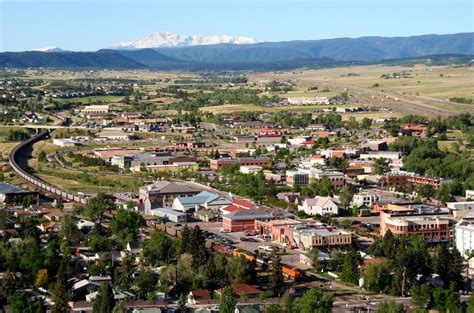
[170, 215]
[461, 209]
[113, 135]
[249, 169]
[389, 155]
[464, 237]
[470, 194]
[376, 145]
[365, 199]
[205, 199]
[108, 153]
[309, 236]
[164, 192]
[64, 142]
[95, 109]
[273, 229]
[295, 178]
[11, 194]
[319, 206]
[336, 178]
[431, 222]
[243, 219]
[308, 100]
[434, 182]
[414, 128]
[217, 164]
[175, 167]
[394, 179]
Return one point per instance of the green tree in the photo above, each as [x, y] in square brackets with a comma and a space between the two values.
[240, 270]
[390, 307]
[381, 166]
[313, 301]
[160, 249]
[345, 197]
[421, 295]
[277, 283]
[60, 293]
[350, 269]
[377, 276]
[228, 300]
[448, 264]
[98, 205]
[104, 301]
[125, 225]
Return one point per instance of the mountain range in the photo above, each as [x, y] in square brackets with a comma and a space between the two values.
[167, 39]
[256, 56]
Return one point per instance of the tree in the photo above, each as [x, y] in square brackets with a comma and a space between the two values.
[98, 205]
[470, 304]
[377, 276]
[160, 249]
[350, 269]
[313, 301]
[41, 278]
[104, 301]
[448, 264]
[277, 283]
[381, 166]
[228, 300]
[240, 270]
[345, 197]
[60, 294]
[390, 307]
[68, 226]
[22, 303]
[125, 225]
[421, 295]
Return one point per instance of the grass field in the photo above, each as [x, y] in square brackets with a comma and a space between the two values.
[426, 89]
[88, 183]
[92, 99]
[231, 108]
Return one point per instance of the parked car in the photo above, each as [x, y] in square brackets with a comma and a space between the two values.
[224, 231]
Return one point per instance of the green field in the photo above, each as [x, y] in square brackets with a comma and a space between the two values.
[92, 99]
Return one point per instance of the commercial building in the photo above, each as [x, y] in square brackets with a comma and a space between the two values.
[431, 222]
[461, 209]
[217, 164]
[243, 219]
[389, 155]
[464, 237]
[11, 194]
[309, 236]
[336, 178]
[295, 178]
[174, 167]
[149, 159]
[170, 215]
[95, 109]
[205, 199]
[164, 192]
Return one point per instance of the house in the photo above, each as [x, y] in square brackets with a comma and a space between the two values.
[133, 247]
[118, 295]
[319, 206]
[32, 117]
[54, 227]
[204, 199]
[199, 296]
[11, 194]
[243, 289]
[84, 224]
[162, 192]
[290, 197]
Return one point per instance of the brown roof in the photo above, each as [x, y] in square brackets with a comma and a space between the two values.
[243, 289]
[201, 295]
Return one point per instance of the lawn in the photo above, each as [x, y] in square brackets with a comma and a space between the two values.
[92, 99]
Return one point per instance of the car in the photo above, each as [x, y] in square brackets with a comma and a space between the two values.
[266, 248]
[177, 225]
[248, 239]
[224, 231]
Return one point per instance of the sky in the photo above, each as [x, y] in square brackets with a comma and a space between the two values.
[89, 25]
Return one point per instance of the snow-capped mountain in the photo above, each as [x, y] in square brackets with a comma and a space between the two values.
[167, 39]
[49, 49]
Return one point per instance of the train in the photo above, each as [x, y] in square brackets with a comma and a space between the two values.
[288, 271]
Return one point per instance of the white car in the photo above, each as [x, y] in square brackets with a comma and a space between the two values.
[266, 248]
[224, 231]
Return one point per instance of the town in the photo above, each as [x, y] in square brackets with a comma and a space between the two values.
[223, 193]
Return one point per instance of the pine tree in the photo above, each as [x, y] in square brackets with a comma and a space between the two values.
[60, 290]
[350, 269]
[276, 278]
[228, 300]
[104, 301]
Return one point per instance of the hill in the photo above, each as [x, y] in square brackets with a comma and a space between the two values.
[100, 59]
[366, 49]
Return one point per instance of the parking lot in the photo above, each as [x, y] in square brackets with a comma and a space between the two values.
[290, 257]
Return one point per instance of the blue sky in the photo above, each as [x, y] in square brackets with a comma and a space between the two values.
[91, 25]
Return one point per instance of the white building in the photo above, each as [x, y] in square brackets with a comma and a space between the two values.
[461, 209]
[319, 206]
[308, 100]
[470, 194]
[250, 169]
[390, 155]
[364, 199]
[464, 237]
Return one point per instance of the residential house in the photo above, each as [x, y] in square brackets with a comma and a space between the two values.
[319, 206]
